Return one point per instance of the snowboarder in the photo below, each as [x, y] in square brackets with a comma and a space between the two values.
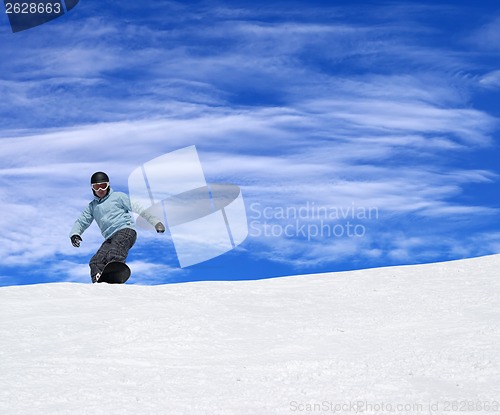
[111, 210]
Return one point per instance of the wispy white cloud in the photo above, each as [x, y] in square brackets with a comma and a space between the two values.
[148, 273]
[487, 36]
[491, 80]
[87, 76]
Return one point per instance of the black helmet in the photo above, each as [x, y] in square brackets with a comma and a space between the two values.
[99, 177]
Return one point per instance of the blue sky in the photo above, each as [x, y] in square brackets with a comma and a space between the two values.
[380, 119]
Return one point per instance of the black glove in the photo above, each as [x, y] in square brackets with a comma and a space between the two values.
[159, 227]
[75, 240]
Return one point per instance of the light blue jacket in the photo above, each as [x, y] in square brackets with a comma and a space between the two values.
[111, 214]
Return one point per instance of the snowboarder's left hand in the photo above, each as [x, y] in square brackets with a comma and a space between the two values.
[159, 227]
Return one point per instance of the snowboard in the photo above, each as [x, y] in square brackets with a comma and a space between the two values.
[115, 273]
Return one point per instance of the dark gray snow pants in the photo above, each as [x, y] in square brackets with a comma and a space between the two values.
[113, 249]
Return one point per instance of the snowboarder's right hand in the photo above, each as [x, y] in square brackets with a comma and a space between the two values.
[75, 240]
[160, 228]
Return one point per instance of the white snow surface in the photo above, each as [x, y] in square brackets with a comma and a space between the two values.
[411, 339]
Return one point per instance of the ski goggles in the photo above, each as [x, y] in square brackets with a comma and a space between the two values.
[100, 186]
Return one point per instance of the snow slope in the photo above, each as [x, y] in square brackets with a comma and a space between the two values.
[415, 339]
